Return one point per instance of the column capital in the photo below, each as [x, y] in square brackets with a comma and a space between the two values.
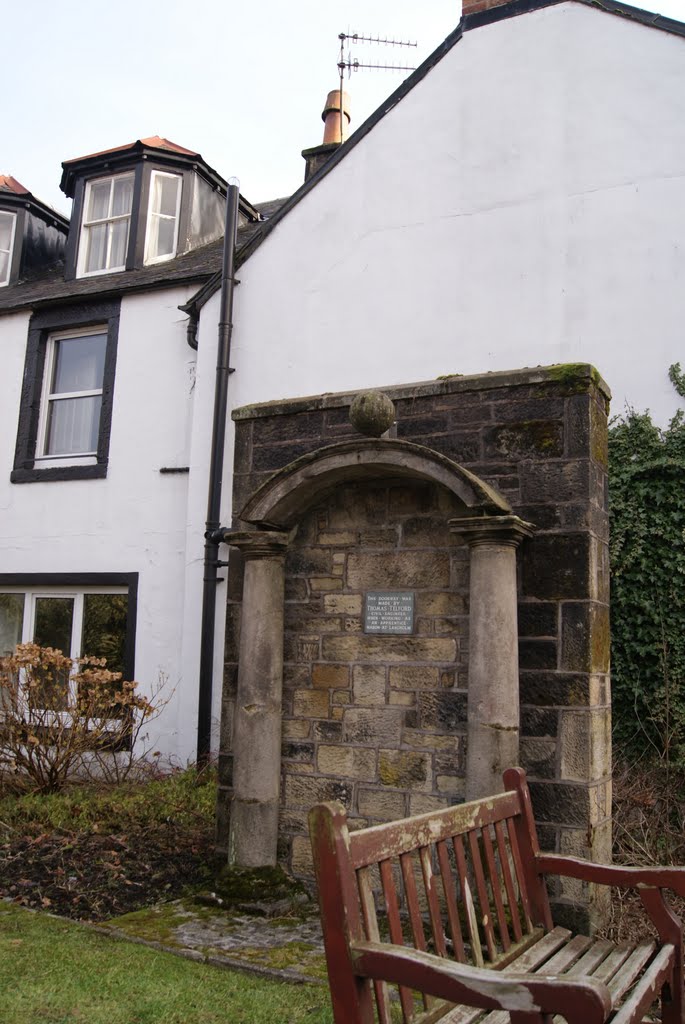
[258, 543]
[502, 531]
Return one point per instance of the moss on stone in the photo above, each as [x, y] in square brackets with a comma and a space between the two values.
[266, 884]
[300, 956]
[155, 924]
[574, 377]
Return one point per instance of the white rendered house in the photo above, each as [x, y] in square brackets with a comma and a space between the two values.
[518, 201]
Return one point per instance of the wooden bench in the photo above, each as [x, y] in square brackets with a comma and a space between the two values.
[445, 917]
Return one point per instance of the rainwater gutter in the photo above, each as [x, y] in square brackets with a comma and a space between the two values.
[213, 533]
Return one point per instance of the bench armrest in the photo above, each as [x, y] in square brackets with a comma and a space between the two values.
[585, 1000]
[611, 874]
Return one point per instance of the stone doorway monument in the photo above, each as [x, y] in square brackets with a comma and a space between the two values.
[373, 652]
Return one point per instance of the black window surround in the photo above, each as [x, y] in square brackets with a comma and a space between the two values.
[142, 172]
[44, 323]
[31, 580]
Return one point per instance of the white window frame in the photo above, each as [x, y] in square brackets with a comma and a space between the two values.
[9, 251]
[148, 259]
[77, 594]
[47, 396]
[87, 224]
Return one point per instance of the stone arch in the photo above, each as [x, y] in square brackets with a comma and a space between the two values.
[280, 501]
[485, 521]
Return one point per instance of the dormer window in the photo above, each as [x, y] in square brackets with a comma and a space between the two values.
[140, 206]
[8, 222]
[161, 236]
[106, 225]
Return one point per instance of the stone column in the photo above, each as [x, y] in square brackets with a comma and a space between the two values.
[493, 699]
[253, 829]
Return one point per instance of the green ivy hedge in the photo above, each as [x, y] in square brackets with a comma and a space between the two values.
[647, 518]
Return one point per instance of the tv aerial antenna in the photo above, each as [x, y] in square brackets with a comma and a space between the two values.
[349, 63]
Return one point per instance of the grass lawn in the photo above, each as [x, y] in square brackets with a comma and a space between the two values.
[54, 971]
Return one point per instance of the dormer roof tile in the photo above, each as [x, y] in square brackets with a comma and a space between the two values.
[10, 184]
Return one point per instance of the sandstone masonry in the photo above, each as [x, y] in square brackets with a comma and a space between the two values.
[379, 722]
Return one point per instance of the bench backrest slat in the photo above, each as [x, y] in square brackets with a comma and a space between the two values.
[371, 845]
[512, 902]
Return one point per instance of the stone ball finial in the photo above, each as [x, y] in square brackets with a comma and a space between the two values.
[372, 413]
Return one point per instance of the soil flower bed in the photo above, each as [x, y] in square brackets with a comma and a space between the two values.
[93, 853]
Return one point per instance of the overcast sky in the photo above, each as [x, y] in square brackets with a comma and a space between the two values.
[243, 84]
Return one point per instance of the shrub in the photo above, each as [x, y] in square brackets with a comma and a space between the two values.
[60, 718]
[647, 546]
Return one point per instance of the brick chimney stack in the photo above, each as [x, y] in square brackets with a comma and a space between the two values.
[334, 132]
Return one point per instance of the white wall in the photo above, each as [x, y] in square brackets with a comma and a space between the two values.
[523, 205]
[135, 520]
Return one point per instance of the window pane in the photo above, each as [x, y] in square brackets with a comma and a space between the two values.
[122, 199]
[11, 621]
[54, 618]
[165, 195]
[119, 229]
[6, 221]
[4, 266]
[166, 232]
[98, 207]
[97, 247]
[73, 425]
[79, 363]
[104, 628]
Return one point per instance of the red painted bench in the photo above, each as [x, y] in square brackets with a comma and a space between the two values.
[445, 917]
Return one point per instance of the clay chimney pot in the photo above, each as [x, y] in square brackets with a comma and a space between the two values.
[332, 120]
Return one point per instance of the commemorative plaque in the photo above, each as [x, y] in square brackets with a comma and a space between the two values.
[389, 612]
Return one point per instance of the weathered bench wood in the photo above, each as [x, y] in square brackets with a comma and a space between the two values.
[445, 917]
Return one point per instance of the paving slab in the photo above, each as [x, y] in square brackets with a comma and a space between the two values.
[289, 947]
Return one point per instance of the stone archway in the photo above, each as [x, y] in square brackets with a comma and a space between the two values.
[485, 522]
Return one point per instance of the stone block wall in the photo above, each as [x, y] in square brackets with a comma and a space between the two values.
[379, 722]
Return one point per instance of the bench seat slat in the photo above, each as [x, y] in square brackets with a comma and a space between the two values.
[630, 970]
[647, 989]
[535, 956]
[380, 842]
[589, 963]
[527, 962]
[607, 969]
[566, 957]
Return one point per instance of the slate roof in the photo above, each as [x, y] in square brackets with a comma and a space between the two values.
[49, 287]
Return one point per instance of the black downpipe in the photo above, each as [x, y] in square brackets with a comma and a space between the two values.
[216, 468]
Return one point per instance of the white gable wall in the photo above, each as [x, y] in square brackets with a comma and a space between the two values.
[524, 204]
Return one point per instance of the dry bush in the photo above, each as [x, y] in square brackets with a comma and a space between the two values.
[648, 829]
[60, 718]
